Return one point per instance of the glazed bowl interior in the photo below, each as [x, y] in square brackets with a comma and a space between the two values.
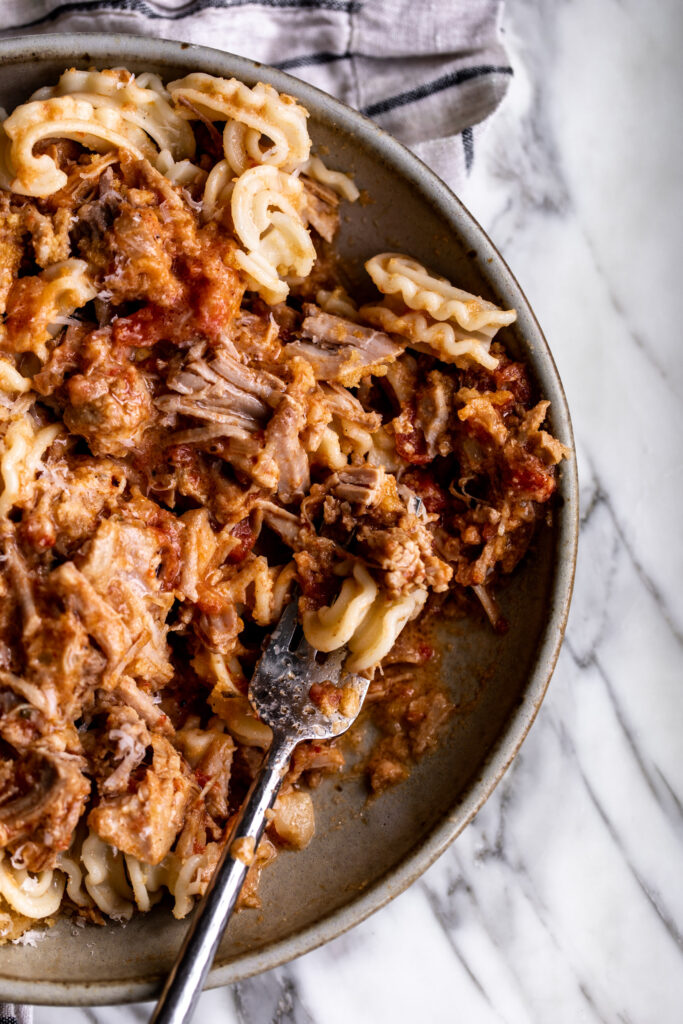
[365, 851]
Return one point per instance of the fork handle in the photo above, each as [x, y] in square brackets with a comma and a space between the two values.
[184, 984]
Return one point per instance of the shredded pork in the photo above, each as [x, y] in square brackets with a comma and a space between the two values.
[204, 453]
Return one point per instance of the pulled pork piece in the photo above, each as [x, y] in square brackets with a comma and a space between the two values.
[69, 500]
[117, 749]
[218, 623]
[265, 854]
[146, 821]
[321, 209]
[422, 430]
[315, 566]
[22, 586]
[539, 442]
[360, 485]
[131, 233]
[61, 658]
[405, 555]
[63, 359]
[209, 752]
[345, 405]
[224, 391]
[285, 524]
[123, 564]
[283, 448]
[483, 413]
[11, 248]
[410, 711]
[101, 621]
[42, 796]
[198, 546]
[509, 462]
[256, 336]
[314, 760]
[434, 405]
[143, 243]
[236, 402]
[518, 460]
[129, 693]
[343, 351]
[110, 407]
[49, 234]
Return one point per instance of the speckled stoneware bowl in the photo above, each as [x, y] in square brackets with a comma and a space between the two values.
[364, 852]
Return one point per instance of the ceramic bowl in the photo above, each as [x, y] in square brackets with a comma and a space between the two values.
[365, 851]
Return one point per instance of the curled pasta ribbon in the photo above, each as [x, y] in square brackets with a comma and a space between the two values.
[340, 439]
[34, 896]
[337, 302]
[449, 341]
[249, 114]
[339, 182]
[116, 882]
[11, 381]
[141, 102]
[24, 447]
[364, 618]
[105, 878]
[65, 287]
[380, 628]
[217, 189]
[179, 172]
[98, 128]
[332, 626]
[395, 274]
[266, 205]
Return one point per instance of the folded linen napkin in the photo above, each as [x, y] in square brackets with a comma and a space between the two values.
[429, 71]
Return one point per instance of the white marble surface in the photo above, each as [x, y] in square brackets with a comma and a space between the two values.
[563, 901]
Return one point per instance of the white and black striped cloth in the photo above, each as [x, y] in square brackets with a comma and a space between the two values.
[429, 71]
[12, 1013]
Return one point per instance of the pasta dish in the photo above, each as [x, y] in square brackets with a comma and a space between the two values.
[198, 424]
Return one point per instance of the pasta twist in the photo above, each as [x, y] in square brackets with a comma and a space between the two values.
[448, 341]
[34, 896]
[339, 182]
[64, 288]
[11, 381]
[249, 114]
[105, 878]
[117, 883]
[362, 617]
[23, 448]
[266, 210]
[330, 627]
[380, 628]
[395, 274]
[217, 189]
[142, 102]
[179, 172]
[99, 128]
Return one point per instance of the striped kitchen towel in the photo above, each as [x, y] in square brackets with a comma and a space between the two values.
[13, 1013]
[428, 71]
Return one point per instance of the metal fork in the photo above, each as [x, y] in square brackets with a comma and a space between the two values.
[279, 692]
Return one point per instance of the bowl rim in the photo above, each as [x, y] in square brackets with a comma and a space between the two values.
[77, 46]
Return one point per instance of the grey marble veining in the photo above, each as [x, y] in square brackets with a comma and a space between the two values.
[562, 902]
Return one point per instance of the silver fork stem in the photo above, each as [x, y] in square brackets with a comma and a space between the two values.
[184, 984]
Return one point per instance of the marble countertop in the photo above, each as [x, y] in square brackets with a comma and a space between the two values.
[562, 901]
